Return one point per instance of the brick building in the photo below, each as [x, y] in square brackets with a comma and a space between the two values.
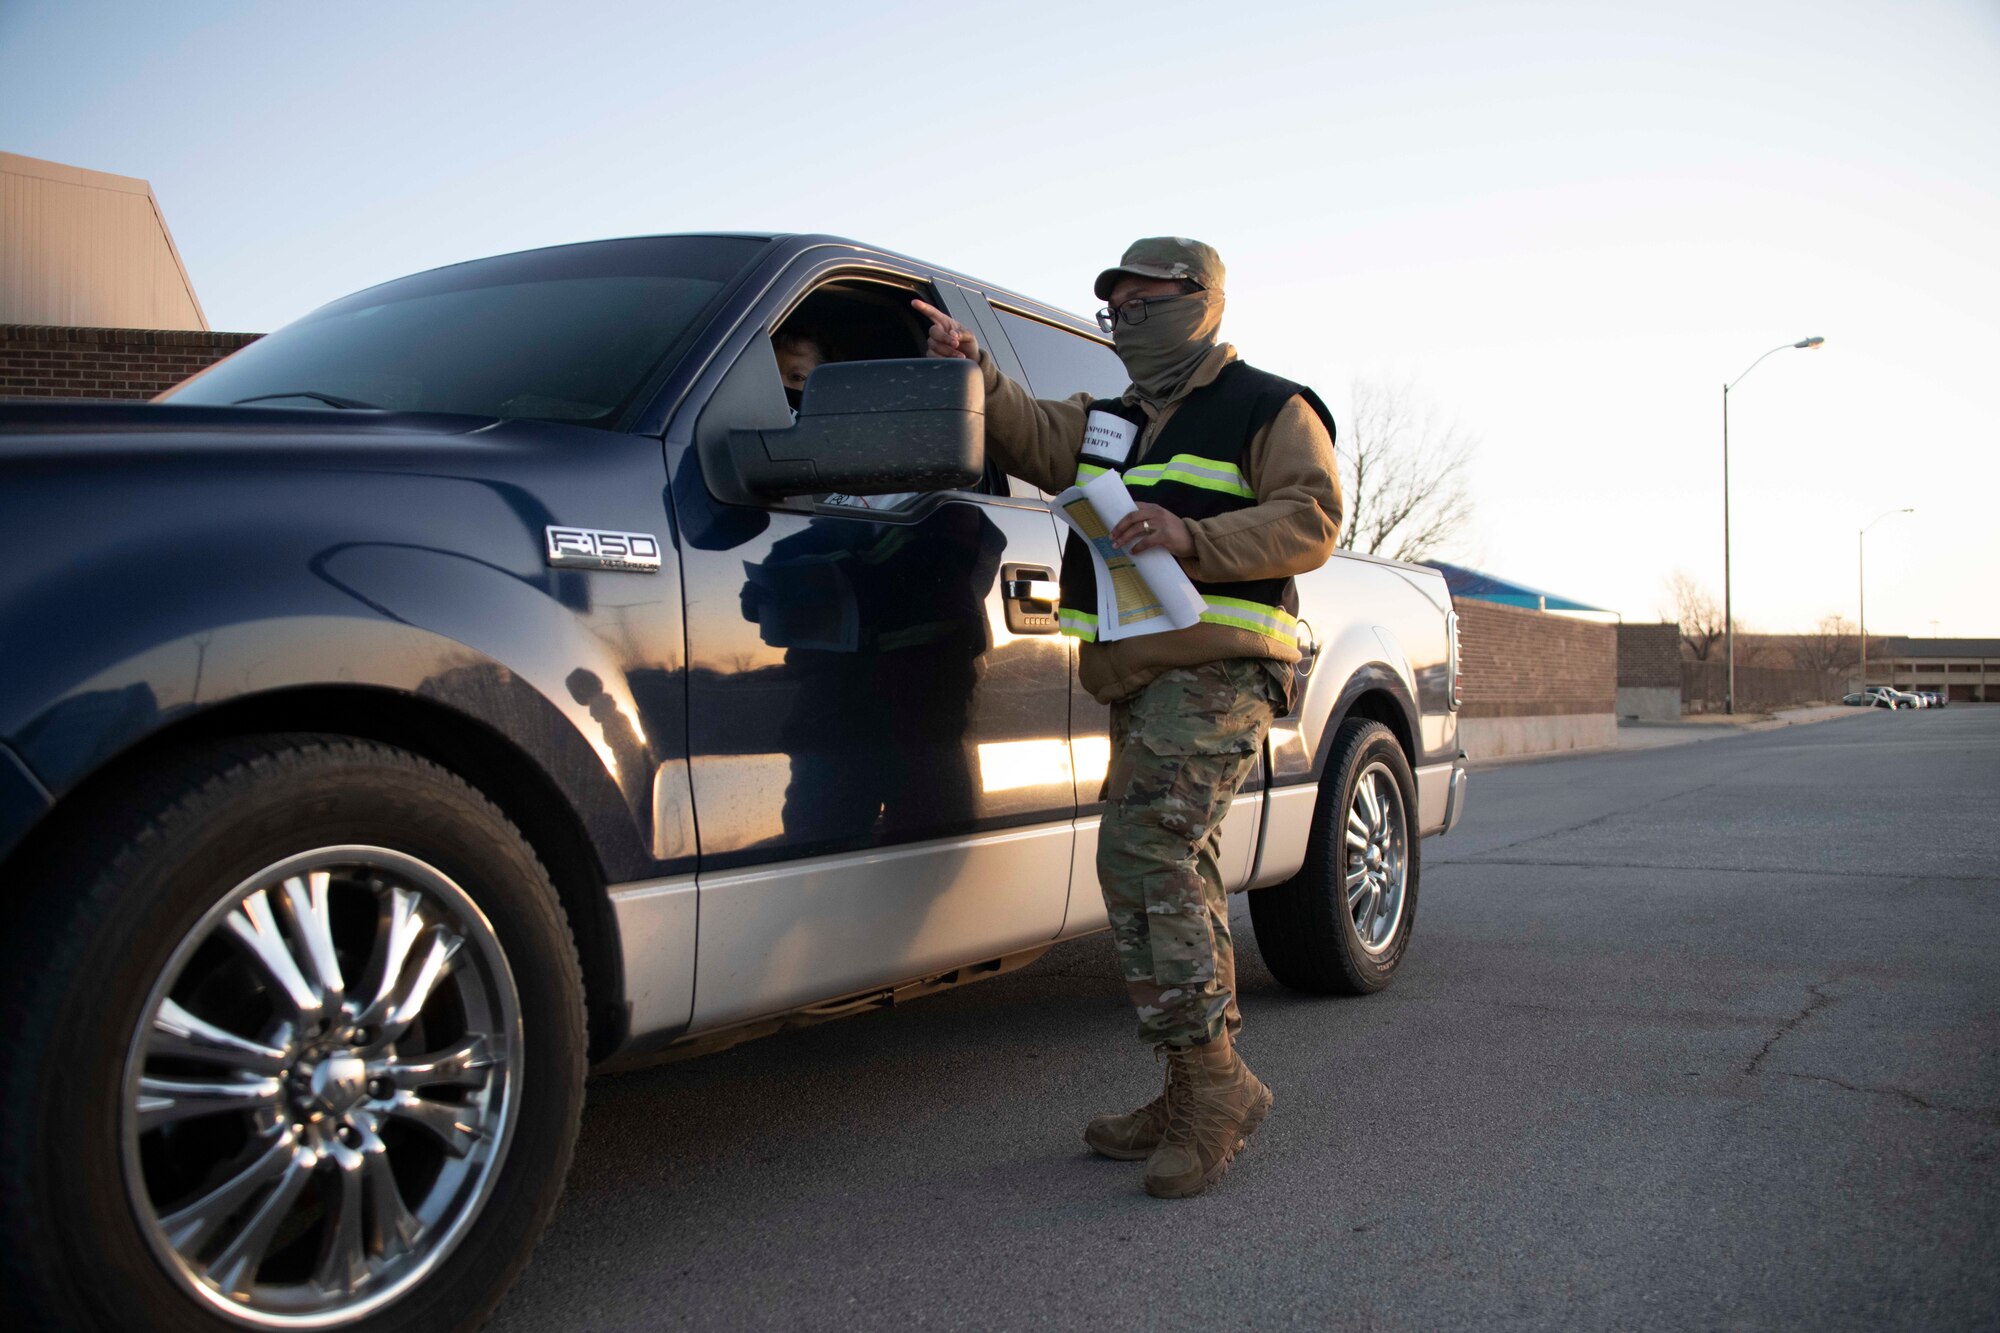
[1963, 670]
[45, 361]
[94, 299]
[1649, 672]
[1534, 682]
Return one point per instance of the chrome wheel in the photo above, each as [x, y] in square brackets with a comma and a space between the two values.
[319, 1093]
[1378, 856]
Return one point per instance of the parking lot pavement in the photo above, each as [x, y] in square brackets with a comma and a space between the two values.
[1697, 1036]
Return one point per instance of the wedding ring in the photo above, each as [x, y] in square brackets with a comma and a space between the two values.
[1146, 528]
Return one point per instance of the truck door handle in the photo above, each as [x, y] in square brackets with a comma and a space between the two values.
[1029, 598]
[1034, 590]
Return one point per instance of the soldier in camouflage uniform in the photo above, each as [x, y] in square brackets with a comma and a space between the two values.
[1233, 472]
[1180, 749]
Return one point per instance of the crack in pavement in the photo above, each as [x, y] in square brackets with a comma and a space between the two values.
[1820, 1000]
[1990, 1117]
[1587, 1012]
[1599, 819]
[1614, 814]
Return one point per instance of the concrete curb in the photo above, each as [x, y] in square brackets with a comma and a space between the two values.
[1682, 733]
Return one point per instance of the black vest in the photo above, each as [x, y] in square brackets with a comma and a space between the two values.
[1194, 468]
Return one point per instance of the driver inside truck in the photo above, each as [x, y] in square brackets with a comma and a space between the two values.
[799, 354]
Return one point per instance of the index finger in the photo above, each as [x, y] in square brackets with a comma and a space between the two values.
[934, 315]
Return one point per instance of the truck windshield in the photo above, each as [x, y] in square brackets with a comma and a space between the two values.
[571, 334]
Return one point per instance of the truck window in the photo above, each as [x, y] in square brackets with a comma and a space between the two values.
[861, 320]
[574, 335]
[1060, 362]
[858, 319]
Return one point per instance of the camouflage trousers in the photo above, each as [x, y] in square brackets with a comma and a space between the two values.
[1180, 749]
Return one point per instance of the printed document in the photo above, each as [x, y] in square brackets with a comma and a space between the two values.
[1136, 594]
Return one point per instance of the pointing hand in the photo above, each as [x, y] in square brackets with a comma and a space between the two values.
[948, 337]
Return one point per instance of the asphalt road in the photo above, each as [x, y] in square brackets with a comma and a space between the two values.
[1704, 1036]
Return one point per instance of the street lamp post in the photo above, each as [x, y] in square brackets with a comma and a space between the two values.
[1728, 604]
[1861, 579]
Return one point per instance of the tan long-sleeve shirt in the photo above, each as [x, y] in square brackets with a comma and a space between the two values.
[1291, 529]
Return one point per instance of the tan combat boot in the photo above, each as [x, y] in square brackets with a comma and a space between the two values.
[1133, 1136]
[1217, 1104]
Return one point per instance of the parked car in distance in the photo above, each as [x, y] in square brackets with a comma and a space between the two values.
[1895, 698]
[491, 675]
[1866, 700]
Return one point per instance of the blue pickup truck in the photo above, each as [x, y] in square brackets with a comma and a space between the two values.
[494, 676]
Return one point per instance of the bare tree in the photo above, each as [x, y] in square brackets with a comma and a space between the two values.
[1700, 618]
[1754, 649]
[1829, 647]
[1405, 473]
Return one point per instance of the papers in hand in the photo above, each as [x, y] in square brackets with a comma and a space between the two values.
[1136, 594]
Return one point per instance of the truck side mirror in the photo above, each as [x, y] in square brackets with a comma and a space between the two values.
[871, 428]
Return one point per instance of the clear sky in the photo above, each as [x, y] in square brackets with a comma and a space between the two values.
[1572, 222]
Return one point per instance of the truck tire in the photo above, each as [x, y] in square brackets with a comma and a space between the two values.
[1341, 925]
[295, 1031]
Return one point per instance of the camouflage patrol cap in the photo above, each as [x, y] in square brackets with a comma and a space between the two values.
[1165, 257]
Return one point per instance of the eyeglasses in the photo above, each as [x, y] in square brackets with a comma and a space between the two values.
[1134, 311]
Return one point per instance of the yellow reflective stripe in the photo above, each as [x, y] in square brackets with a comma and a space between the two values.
[1278, 614]
[1089, 472]
[1207, 474]
[1082, 624]
[1262, 627]
[1258, 617]
[1226, 487]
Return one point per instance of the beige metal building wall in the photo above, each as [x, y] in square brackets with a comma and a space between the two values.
[87, 248]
